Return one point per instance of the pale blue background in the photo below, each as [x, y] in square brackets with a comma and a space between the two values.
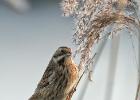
[27, 42]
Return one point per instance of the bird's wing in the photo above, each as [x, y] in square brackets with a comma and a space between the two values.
[53, 82]
[49, 76]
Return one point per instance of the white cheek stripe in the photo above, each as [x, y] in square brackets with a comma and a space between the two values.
[58, 58]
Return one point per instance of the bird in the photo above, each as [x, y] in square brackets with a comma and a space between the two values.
[59, 78]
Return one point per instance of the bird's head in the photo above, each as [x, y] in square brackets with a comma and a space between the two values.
[62, 53]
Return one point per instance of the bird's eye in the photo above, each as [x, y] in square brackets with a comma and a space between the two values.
[62, 51]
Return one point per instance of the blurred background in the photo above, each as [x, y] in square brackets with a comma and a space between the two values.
[30, 32]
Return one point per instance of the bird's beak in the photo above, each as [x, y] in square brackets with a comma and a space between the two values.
[69, 54]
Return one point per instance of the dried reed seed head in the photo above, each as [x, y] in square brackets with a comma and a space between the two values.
[92, 18]
[69, 6]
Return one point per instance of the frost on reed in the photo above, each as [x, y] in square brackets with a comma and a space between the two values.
[94, 19]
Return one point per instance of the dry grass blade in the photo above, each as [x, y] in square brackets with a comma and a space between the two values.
[138, 92]
[138, 87]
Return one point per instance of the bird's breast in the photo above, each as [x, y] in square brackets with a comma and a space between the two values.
[72, 74]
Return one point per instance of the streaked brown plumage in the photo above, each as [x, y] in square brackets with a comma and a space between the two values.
[59, 78]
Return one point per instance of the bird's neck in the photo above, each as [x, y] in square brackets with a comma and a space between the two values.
[68, 61]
